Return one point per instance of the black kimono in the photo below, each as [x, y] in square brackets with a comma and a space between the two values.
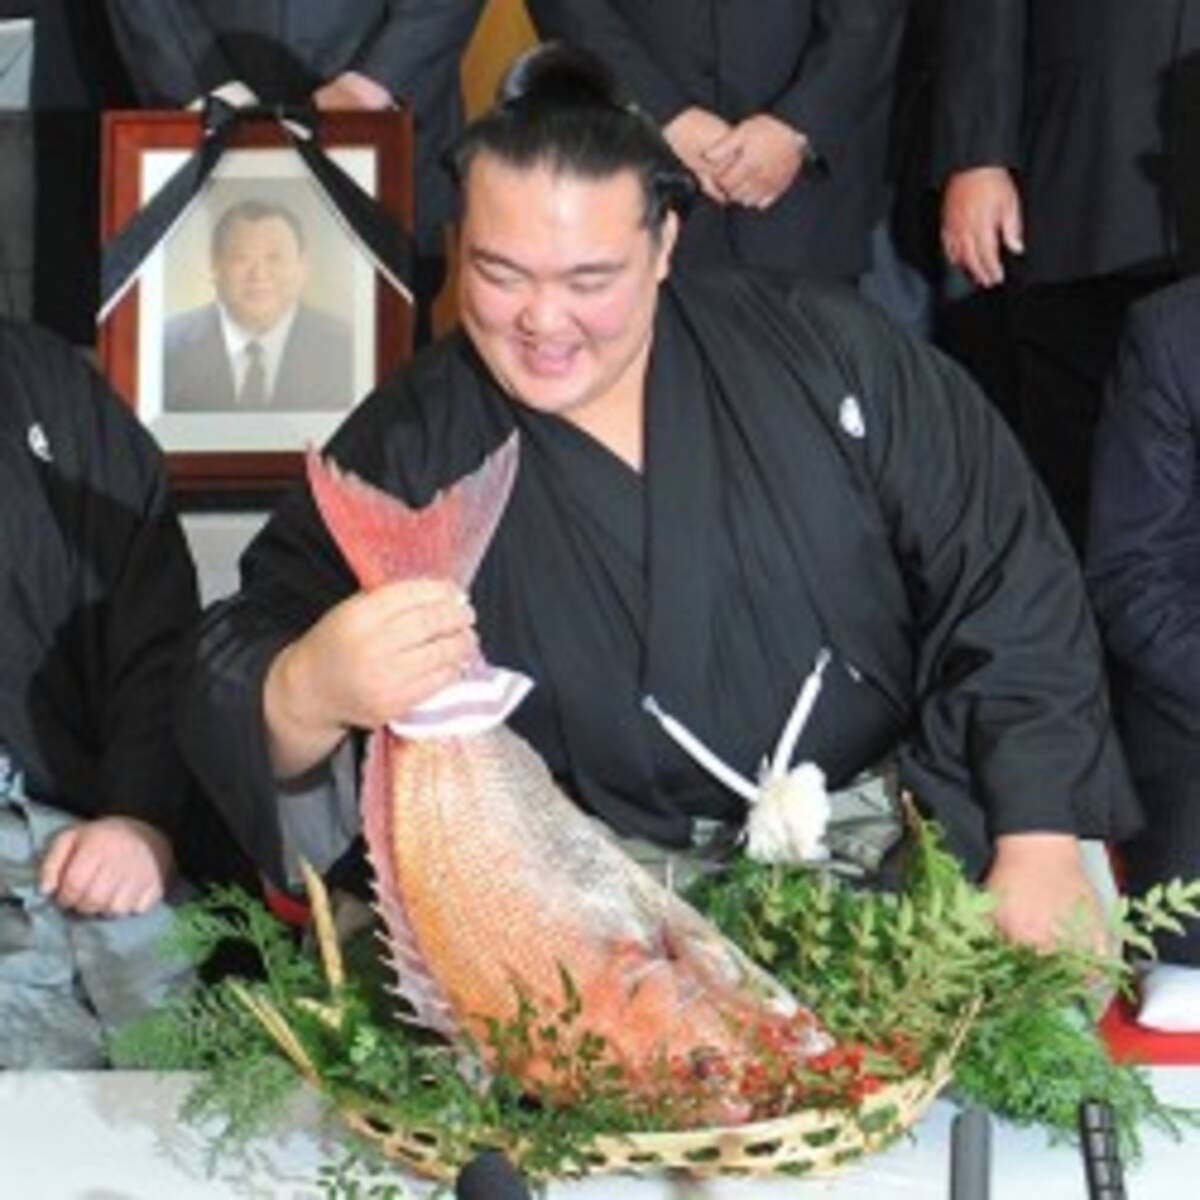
[98, 591]
[811, 478]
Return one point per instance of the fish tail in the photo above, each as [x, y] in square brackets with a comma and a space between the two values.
[383, 539]
[414, 982]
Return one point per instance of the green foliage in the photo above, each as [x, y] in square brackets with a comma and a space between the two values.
[892, 976]
[908, 965]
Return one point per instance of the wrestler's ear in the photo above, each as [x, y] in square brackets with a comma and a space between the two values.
[667, 237]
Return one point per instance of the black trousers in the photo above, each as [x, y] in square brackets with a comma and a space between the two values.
[1066, 337]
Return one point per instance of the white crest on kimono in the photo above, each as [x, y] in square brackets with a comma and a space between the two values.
[39, 443]
[851, 418]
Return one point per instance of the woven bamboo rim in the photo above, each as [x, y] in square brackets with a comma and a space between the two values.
[807, 1142]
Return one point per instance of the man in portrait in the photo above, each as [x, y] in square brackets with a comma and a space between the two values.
[258, 345]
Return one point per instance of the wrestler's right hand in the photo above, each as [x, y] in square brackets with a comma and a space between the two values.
[367, 660]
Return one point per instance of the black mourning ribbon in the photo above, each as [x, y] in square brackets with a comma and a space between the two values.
[385, 239]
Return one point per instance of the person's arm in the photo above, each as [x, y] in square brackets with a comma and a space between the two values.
[171, 52]
[846, 75]
[1011, 704]
[136, 598]
[979, 97]
[1145, 517]
[274, 676]
[845, 78]
[602, 28]
[416, 38]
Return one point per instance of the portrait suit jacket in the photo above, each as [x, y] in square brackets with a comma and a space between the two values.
[177, 50]
[1092, 103]
[1143, 572]
[315, 369]
[825, 67]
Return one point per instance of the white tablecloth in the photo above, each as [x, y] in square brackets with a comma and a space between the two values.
[115, 1136]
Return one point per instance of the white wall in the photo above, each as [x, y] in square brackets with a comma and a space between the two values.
[216, 541]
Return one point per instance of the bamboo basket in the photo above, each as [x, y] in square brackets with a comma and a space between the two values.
[807, 1142]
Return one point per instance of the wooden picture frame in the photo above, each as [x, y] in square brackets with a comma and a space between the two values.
[213, 444]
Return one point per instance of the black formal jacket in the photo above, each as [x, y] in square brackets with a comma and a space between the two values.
[96, 590]
[1092, 103]
[825, 67]
[177, 50]
[316, 370]
[812, 478]
[1143, 568]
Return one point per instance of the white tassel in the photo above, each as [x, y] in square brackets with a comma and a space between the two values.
[787, 821]
[806, 701]
[699, 753]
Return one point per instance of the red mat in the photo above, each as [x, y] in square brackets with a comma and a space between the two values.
[1129, 1042]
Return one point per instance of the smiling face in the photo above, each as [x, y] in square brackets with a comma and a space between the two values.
[259, 270]
[559, 285]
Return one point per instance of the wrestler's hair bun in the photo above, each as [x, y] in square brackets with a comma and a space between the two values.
[560, 74]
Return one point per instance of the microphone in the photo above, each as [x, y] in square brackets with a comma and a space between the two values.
[971, 1155]
[490, 1176]
[1101, 1151]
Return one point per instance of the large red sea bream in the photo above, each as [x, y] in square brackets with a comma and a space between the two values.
[490, 882]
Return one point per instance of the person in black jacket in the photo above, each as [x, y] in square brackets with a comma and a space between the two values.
[365, 54]
[96, 590]
[1065, 165]
[77, 73]
[1143, 568]
[780, 108]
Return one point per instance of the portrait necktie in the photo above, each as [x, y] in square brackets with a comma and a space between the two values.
[254, 382]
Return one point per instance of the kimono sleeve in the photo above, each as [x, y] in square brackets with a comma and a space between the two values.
[1011, 700]
[291, 574]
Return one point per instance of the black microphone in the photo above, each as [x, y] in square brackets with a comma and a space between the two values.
[490, 1176]
[971, 1155]
[1101, 1151]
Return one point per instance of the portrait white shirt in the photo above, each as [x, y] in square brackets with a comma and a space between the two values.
[236, 339]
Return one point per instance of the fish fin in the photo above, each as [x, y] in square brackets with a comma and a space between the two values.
[383, 539]
[414, 983]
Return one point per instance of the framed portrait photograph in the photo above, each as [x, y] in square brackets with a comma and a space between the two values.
[259, 319]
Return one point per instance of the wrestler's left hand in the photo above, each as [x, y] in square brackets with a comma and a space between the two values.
[110, 866]
[1042, 893]
[757, 160]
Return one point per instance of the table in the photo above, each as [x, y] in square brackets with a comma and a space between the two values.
[115, 1136]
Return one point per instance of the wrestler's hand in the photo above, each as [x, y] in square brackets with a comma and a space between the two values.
[981, 214]
[352, 89]
[1042, 892]
[110, 866]
[757, 161]
[690, 134]
[368, 660]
